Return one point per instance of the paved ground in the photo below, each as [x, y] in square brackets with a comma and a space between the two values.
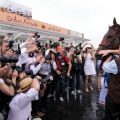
[84, 107]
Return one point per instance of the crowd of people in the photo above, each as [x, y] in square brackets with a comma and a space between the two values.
[30, 77]
[18, 12]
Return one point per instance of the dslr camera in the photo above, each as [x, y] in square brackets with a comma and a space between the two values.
[76, 52]
[21, 69]
[36, 35]
[4, 60]
[11, 42]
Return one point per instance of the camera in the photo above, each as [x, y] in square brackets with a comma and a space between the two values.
[4, 60]
[36, 35]
[76, 52]
[48, 57]
[38, 44]
[22, 69]
[17, 68]
[11, 42]
[47, 78]
[26, 69]
[50, 41]
[18, 52]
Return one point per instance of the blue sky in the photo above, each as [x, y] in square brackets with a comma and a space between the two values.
[91, 17]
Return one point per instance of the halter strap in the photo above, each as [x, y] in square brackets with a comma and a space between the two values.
[104, 46]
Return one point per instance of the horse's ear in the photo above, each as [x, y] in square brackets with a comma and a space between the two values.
[114, 21]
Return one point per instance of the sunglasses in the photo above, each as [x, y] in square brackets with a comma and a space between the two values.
[89, 48]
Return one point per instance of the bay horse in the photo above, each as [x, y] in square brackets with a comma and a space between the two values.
[111, 39]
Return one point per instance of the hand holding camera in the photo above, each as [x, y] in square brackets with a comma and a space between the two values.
[10, 52]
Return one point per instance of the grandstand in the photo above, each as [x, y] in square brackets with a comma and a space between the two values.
[21, 26]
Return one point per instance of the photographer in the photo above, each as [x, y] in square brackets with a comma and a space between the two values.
[32, 37]
[36, 66]
[63, 69]
[28, 50]
[6, 73]
[76, 59]
[7, 82]
[28, 53]
[20, 106]
[42, 68]
[44, 71]
[53, 67]
[4, 46]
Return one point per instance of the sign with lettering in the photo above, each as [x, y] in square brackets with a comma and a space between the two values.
[16, 19]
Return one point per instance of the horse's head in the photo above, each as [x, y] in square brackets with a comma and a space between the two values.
[111, 39]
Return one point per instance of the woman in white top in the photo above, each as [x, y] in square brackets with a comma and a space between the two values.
[89, 66]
